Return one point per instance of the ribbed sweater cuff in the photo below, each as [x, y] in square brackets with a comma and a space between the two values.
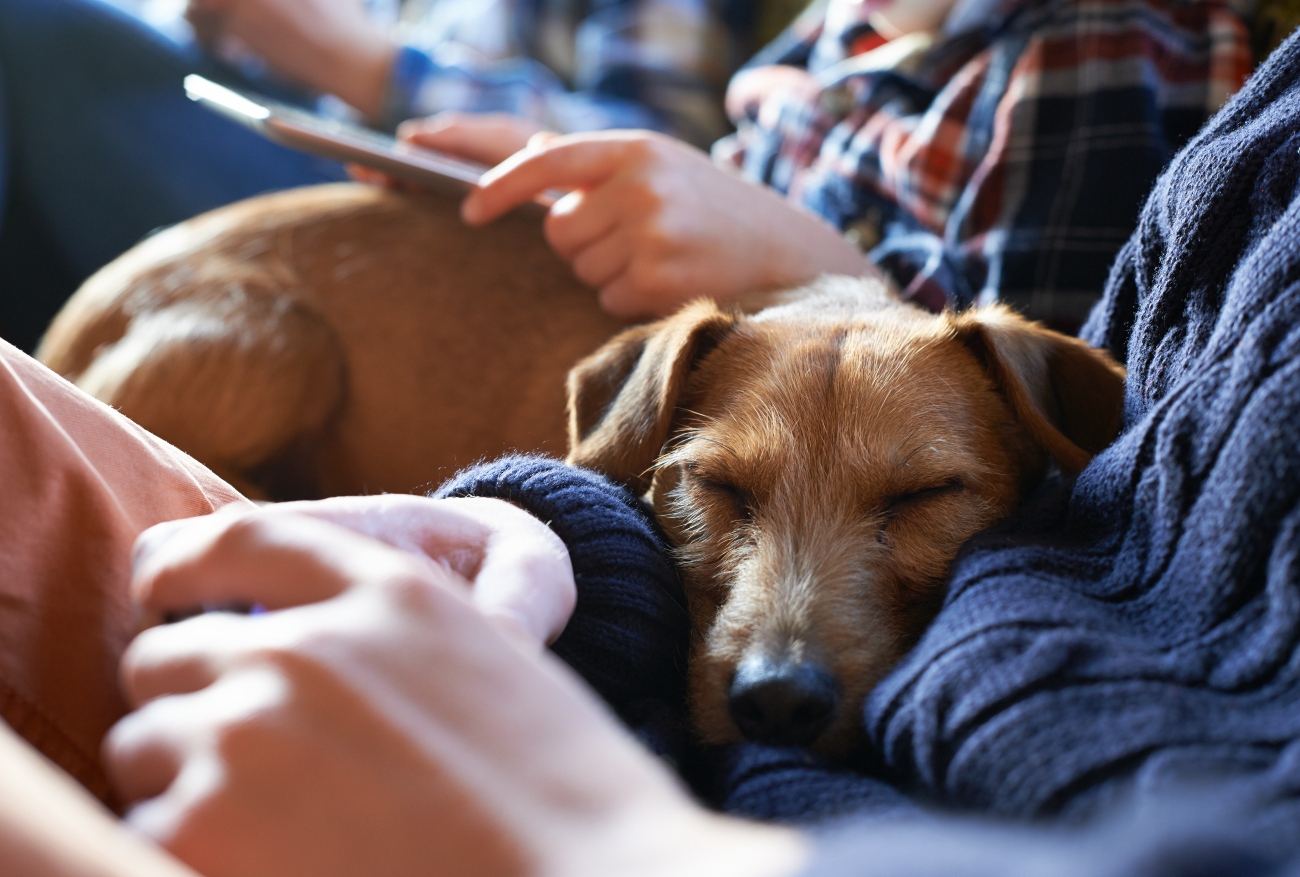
[628, 635]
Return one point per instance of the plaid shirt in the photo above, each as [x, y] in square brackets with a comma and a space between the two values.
[1006, 159]
[575, 65]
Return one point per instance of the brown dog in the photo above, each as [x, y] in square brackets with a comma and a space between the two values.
[334, 340]
[818, 466]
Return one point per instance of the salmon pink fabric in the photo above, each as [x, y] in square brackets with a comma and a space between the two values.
[78, 483]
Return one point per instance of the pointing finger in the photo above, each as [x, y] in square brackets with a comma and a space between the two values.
[571, 162]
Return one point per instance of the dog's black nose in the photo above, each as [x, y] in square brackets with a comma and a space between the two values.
[787, 702]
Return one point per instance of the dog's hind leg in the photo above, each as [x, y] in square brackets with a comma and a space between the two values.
[242, 381]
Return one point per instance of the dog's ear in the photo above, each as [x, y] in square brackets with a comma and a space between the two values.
[622, 397]
[1069, 396]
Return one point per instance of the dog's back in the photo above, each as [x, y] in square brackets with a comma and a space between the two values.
[337, 339]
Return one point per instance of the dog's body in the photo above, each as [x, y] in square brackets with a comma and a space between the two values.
[818, 465]
[333, 340]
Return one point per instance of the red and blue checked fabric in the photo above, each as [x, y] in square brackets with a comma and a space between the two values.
[576, 65]
[1006, 161]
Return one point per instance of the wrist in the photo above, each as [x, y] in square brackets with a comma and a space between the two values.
[812, 248]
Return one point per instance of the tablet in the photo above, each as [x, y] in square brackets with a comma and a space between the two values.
[341, 141]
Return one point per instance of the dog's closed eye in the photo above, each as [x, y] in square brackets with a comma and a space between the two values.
[740, 501]
[902, 503]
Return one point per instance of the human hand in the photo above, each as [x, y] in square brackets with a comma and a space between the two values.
[380, 724]
[652, 223]
[51, 827]
[749, 90]
[329, 45]
[517, 569]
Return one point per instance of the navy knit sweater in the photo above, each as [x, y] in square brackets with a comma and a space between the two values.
[1117, 668]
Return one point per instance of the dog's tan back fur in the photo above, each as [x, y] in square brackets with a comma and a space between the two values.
[336, 339]
[819, 465]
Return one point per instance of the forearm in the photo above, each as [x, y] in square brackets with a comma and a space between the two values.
[50, 826]
[330, 46]
[803, 246]
[357, 72]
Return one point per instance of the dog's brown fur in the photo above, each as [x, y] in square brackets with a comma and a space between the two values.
[819, 464]
[334, 340]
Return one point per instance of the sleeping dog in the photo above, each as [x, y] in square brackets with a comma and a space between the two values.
[818, 465]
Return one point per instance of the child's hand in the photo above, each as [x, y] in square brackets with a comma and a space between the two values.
[652, 223]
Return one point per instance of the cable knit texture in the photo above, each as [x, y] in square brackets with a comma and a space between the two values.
[1137, 631]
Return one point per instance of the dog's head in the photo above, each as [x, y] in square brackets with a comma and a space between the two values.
[818, 466]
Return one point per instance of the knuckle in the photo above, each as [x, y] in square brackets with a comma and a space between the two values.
[645, 276]
[243, 734]
[541, 540]
[655, 241]
[640, 197]
[240, 533]
[410, 595]
[127, 737]
[300, 654]
[542, 565]
[558, 231]
[620, 300]
[249, 724]
[652, 200]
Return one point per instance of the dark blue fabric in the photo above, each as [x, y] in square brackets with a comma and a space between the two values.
[100, 137]
[1137, 631]
[1119, 661]
[102, 147]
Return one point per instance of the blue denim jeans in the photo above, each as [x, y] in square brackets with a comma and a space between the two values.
[99, 146]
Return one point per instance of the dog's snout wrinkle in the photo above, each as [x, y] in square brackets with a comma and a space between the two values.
[783, 702]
